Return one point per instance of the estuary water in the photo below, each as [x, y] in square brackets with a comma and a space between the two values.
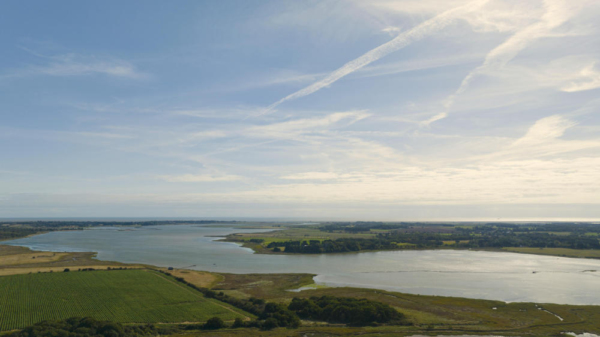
[486, 275]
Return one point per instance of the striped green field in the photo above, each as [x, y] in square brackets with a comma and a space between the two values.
[136, 296]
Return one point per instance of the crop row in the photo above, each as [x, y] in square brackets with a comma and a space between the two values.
[121, 296]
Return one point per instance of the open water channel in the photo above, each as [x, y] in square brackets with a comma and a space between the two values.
[474, 274]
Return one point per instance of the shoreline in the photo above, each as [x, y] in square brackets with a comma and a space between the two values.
[259, 249]
[332, 282]
[478, 317]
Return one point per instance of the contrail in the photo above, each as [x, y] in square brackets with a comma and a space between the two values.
[434, 24]
[557, 13]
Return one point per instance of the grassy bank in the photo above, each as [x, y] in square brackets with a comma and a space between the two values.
[564, 252]
[430, 315]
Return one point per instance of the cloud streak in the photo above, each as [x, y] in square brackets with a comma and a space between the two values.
[544, 130]
[79, 65]
[543, 140]
[199, 178]
[295, 127]
[424, 29]
[557, 13]
[590, 79]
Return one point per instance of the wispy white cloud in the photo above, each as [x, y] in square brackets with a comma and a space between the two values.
[417, 64]
[590, 79]
[306, 125]
[68, 136]
[544, 130]
[199, 178]
[437, 117]
[374, 148]
[106, 135]
[79, 65]
[312, 176]
[557, 13]
[392, 31]
[543, 140]
[422, 30]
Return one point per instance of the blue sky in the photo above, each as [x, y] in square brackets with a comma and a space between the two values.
[384, 110]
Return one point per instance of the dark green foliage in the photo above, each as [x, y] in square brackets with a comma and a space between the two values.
[419, 236]
[280, 315]
[270, 324]
[89, 327]
[333, 246]
[360, 226]
[238, 323]
[498, 236]
[214, 324]
[351, 311]
[9, 232]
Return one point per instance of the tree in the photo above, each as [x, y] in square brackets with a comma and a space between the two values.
[238, 323]
[270, 324]
[214, 324]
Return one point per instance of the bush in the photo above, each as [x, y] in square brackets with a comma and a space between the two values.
[270, 324]
[352, 311]
[238, 323]
[77, 326]
[214, 324]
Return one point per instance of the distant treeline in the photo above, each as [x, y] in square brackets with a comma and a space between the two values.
[402, 236]
[19, 229]
[354, 227]
[8, 233]
[85, 224]
[332, 246]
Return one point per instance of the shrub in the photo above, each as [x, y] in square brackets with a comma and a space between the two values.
[214, 324]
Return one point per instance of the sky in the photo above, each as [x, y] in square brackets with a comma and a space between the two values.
[365, 110]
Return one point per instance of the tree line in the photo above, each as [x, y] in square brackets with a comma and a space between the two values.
[332, 246]
[483, 236]
[18, 229]
[351, 311]
[89, 327]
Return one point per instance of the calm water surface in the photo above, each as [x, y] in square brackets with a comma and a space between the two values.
[487, 275]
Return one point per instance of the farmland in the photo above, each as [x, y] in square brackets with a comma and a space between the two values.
[139, 296]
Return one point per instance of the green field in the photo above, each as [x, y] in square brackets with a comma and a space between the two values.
[302, 233]
[580, 253]
[138, 296]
